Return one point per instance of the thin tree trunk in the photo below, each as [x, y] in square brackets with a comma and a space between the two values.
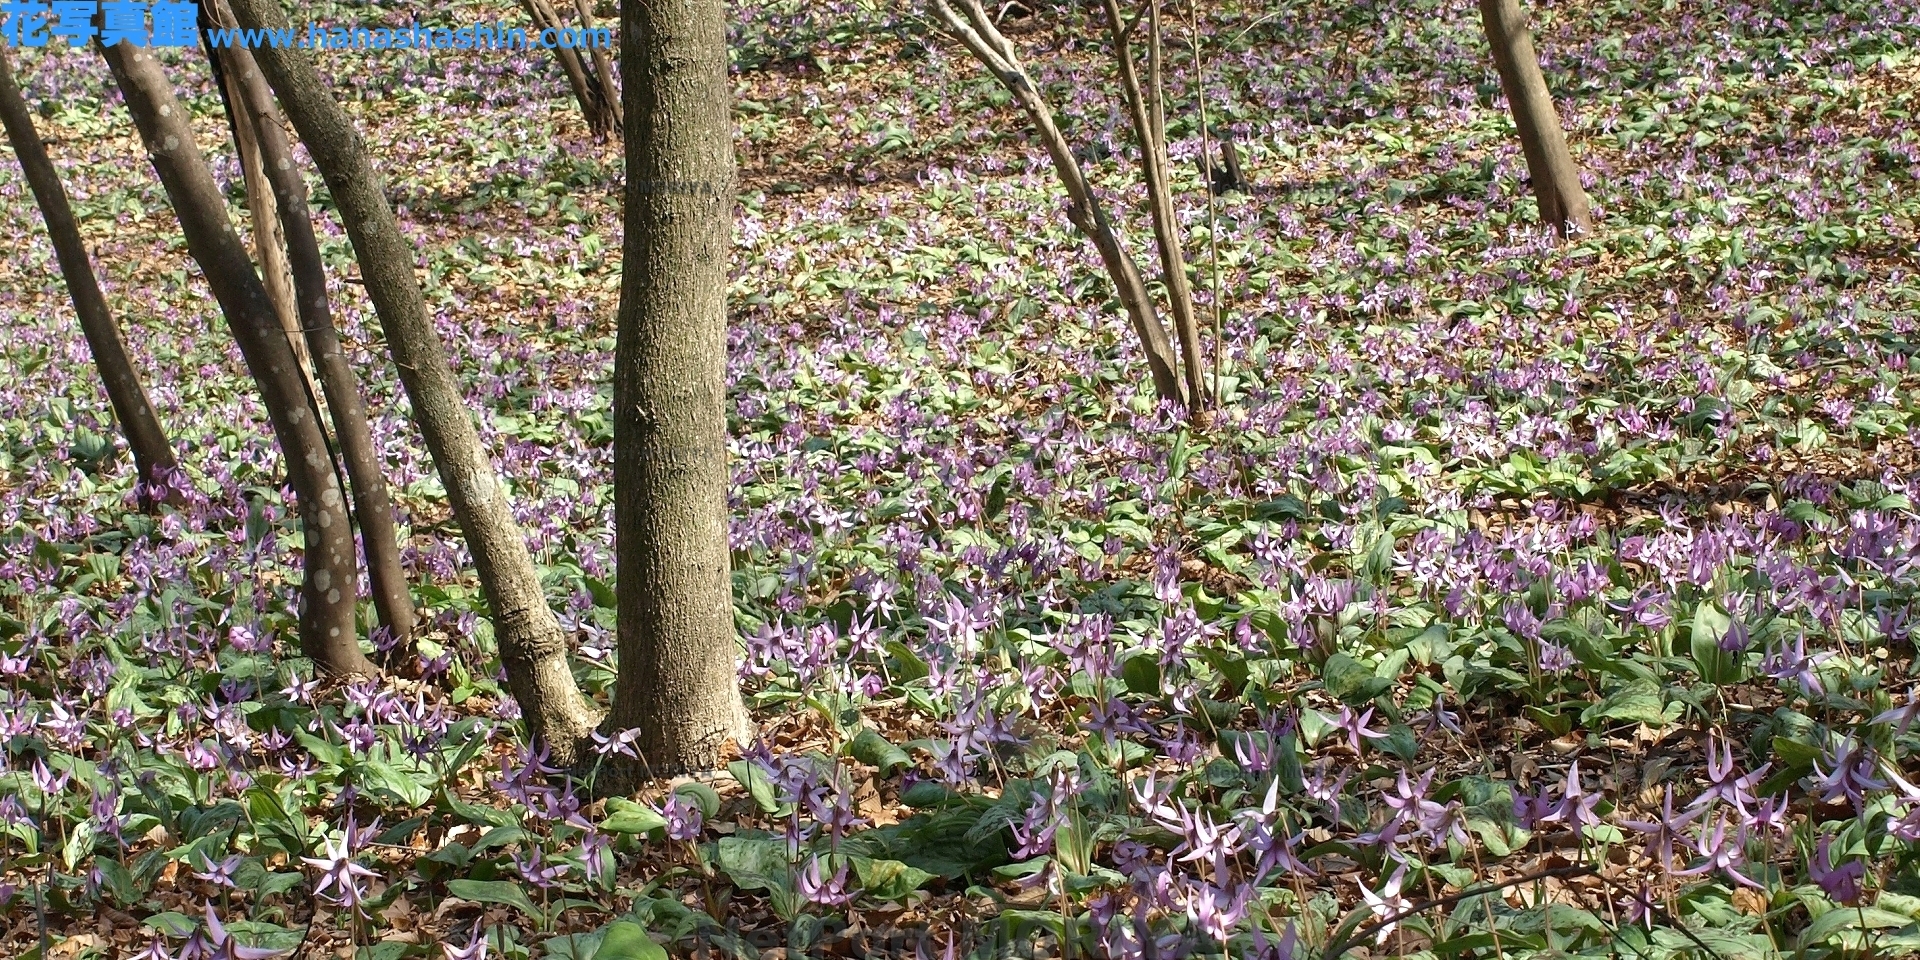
[678, 681]
[330, 578]
[603, 68]
[1149, 130]
[269, 239]
[974, 28]
[372, 505]
[153, 457]
[1556, 178]
[593, 105]
[532, 647]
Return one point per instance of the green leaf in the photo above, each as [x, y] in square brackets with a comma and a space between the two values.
[888, 879]
[602, 592]
[173, 924]
[1141, 674]
[1636, 702]
[908, 666]
[626, 940]
[755, 863]
[625, 816]
[926, 793]
[256, 933]
[322, 750]
[402, 786]
[503, 892]
[476, 814]
[1400, 741]
[870, 748]
[1351, 681]
[1717, 666]
[758, 786]
[1025, 868]
[572, 946]
[1849, 918]
[702, 796]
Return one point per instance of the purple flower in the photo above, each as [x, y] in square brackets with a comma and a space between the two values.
[596, 850]
[1355, 727]
[684, 818]
[1642, 906]
[535, 869]
[226, 946]
[1724, 781]
[476, 948]
[219, 874]
[1285, 948]
[1737, 638]
[1216, 910]
[1328, 790]
[1555, 658]
[1721, 852]
[1842, 883]
[1663, 833]
[1576, 806]
[1439, 718]
[339, 876]
[1789, 661]
[1903, 716]
[1388, 904]
[156, 949]
[1520, 619]
[825, 891]
[1847, 771]
[620, 743]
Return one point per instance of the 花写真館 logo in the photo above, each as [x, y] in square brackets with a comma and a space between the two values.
[169, 23]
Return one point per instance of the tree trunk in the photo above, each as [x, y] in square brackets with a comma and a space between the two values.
[372, 505]
[603, 69]
[972, 26]
[594, 105]
[532, 648]
[327, 631]
[269, 239]
[1150, 133]
[678, 680]
[152, 455]
[1556, 178]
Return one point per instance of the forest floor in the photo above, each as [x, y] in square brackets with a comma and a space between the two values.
[1563, 592]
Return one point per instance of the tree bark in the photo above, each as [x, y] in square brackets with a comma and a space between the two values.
[153, 457]
[678, 681]
[1150, 133]
[269, 239]
[975, 30]
[603, 69]
[372, 504]
[594, 104]
[1556, 178]
[532, 647]
[327, 631]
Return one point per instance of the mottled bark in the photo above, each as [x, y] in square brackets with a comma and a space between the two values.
[1556, 178]
[269, 240]
[372, 504]
[678, 681]
[532, 647]
[974, 28]
[327, 631]
[153, 457]
[1150, 135]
